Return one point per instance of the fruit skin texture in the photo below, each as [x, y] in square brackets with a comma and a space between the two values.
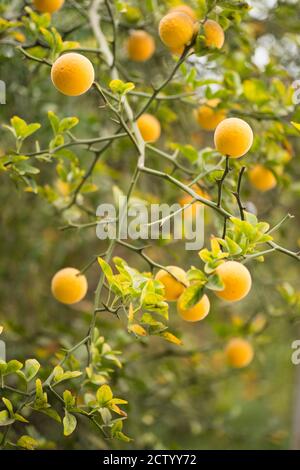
[195, 313]
[140, 46]
[68, 286]
[185, 9]
[48, 6]
[72, 74]
[239, 353]
[262, 178]
[214, 34]
[149, 127]
[207, 117]
[233, 137]
[176, 30]
[236, 279]
[173, 288]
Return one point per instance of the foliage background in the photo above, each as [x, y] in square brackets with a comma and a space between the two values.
[183, 397]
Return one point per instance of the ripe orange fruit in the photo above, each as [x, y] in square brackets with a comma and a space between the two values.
[236, 279]
[72, 74]
[48, 6]
[140, 46]
[149, 127]
[69, 286]
[185, 9]
[195, 313]
[173, 287]
[214, 34]
[176, 30]
[233, 137]
[207, 117]
[262, 178]
[239, 353]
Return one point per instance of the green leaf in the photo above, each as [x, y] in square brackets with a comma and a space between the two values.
[122, 437]
[32, 367]
[69, 423]
[3, 367]
[68, 399]
[116, 427]
[188, 151]
[54, 121]
[24, 168]
[255, 91]
[27, 442]
[197, 275]
[121, 88]
[9, 406]
[106, 270]
[60, 376]
[104, 395]
[230, 245]
[51, 413]
[105, 415]
[13, 366]
[67, 124]
[214, 282]
[19, 126]
[41, 399]
[20, 418]
[116, 432]
[5, 419]
[22, 129]
[31, 129]
[191, 296]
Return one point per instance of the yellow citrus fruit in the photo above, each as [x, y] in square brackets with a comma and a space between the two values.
[239, 352]
[233, 137]
[176, 30]
[236, 279]
[20, 37]
[262, 178]
[195, 313]
[69, 286]
[48, 6]
[63, 187]
[185, 9]
[72, 74]
[214, 34]
[140, 46]
[208, 117]
[187, 199]
[173, 287]
[177, 50]
[149, 127]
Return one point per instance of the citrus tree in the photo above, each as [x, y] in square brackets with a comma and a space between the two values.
[153, 102]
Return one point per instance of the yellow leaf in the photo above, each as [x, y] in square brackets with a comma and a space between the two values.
[130, 313]
[215, 246]
[117, 409]
[171, 338]
[1, 329]
[296, 125]
[138, 330]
